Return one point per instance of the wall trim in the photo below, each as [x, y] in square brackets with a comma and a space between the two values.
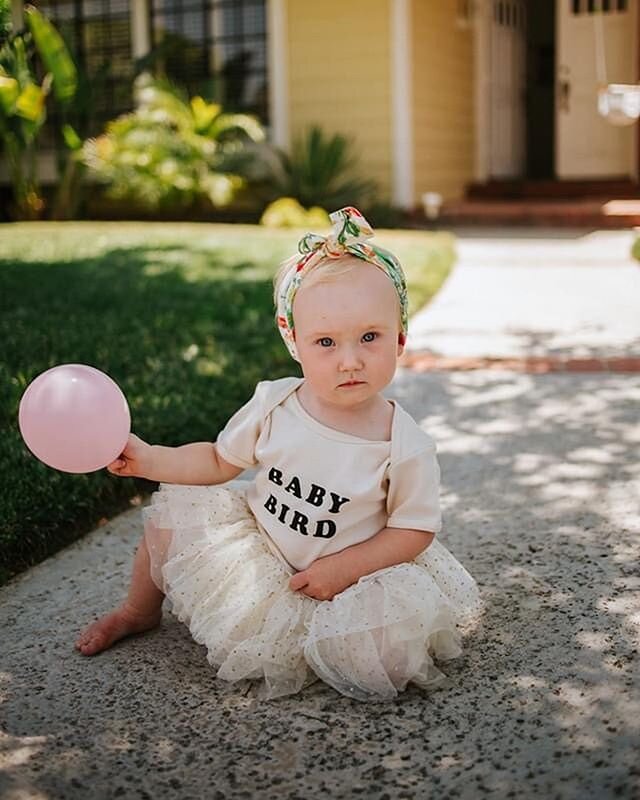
[17, 14]
[402, 178]
[277, 55]
[481, 89]
[140, 33]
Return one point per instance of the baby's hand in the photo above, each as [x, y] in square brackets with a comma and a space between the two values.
[134, 461]
[322, 580]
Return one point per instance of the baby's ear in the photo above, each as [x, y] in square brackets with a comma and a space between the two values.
[402, 340]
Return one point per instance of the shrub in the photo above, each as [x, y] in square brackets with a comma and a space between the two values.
[171, 150]
[288, 213]
[23, 99]
[319, 171]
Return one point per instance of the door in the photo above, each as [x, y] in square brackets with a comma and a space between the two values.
[587, 146]
[507, 83]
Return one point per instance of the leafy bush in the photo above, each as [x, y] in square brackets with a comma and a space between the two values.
[320, 171]
[288, 213]
[5, 19]
[23, 103]
[172, 150]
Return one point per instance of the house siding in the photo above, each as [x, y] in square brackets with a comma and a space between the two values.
[443, 107]
[340, 77]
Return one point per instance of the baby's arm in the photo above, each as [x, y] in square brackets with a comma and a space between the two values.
[198, 463]
[332, 574]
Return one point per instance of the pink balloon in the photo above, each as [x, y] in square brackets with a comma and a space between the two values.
[74, 418]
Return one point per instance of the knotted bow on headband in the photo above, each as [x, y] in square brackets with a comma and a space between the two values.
[348, 236]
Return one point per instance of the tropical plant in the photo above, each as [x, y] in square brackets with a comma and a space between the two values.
[71, 168]
[172, 150]
[23, 102]
[76, 124]
[320, 171]
[5, 19]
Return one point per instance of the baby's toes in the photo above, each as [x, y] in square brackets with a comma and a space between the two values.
[88, 639]
[96, 637]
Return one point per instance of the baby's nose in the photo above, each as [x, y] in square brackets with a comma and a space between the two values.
[350, 359]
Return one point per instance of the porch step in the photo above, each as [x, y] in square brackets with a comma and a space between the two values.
[553, 189]
[591, 213]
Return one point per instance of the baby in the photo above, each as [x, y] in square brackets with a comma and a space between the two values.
[326, 564]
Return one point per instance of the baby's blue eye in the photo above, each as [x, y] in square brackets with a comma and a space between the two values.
[370, 336]
[326, 341]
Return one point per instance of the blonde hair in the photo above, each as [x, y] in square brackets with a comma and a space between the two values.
[326, 270]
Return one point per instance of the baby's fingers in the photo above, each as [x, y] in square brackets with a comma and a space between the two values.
[298, 580]
[116, 467]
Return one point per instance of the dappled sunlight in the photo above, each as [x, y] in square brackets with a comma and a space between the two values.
[594, 640]
[576, 471]
[5, 685]
[525, 580]
[590, 712]
[195, 266]
[561, 497]
[541, 502]
[210, 367]
[64, 764]
[492, 392]
[525, 682]
[214, 361]
[465, 443]
[497, 426]
[529, 462]
[590, 454]
[26, 792]
[626, 606]
[16, 751]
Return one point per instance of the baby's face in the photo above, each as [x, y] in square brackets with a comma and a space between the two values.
[347, 335]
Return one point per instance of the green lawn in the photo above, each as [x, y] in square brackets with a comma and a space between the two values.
[179, 315]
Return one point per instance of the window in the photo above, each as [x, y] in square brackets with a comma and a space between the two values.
[593, 6]
[98, 34]
[216, 48]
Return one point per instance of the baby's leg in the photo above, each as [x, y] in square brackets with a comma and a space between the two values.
[139, 612]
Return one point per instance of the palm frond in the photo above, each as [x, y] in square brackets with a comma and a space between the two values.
[320, 171]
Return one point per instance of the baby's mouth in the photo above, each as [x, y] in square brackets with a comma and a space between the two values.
[352, 383]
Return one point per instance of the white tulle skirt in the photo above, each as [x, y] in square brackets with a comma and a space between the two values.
[222, 579]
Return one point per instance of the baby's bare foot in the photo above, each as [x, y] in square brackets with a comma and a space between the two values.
[114, 626]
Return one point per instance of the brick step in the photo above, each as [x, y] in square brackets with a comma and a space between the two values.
[553, 189]
[429, 362]
[617, 213]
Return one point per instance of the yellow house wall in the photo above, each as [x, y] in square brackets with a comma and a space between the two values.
[443, 116]
[339, 77]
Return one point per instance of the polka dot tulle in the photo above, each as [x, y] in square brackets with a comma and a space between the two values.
[222, 579]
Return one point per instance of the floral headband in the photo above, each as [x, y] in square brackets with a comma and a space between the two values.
[348, 237]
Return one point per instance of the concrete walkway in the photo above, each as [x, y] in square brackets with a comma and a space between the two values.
[541, 495]
[525, 295]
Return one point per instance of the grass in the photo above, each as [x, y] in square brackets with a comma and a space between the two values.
[179, 315]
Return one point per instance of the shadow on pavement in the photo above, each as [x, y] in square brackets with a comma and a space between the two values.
[539, 474]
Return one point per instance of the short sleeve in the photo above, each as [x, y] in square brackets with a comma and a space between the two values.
[413, 498]
[236, 443]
